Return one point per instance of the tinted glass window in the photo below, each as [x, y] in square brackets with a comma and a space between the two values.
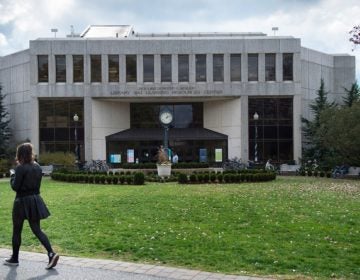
[200, 63]
[43, 69]
[113, 61]
[78, 68]
[60, 70]
[95, 62]
[183, 71]
[131, 75]
[270, 67]
[235, 67]
[148, 67]
[218, 67]
[288, 67]
[253, 67]
[166, 68]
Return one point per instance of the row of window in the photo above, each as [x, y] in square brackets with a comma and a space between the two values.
[165, 68]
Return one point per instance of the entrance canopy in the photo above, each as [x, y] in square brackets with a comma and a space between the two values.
[157, 134]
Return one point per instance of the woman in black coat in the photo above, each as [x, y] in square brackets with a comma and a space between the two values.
[28, 204]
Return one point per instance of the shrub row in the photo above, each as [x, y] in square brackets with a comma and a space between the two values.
[226, 177]
[315, 173]
[152, 165]
[137, 178]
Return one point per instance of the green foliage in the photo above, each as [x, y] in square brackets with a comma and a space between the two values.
[182, 178]
[4, 126]
[352, 95]
[139, 178]
[57, 158]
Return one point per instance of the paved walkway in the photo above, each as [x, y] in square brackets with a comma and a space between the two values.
[32, 267]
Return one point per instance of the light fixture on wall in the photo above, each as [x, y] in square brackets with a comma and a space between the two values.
[256, 118]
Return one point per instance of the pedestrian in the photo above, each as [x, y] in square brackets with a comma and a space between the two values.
[28, 204]
[175, 158]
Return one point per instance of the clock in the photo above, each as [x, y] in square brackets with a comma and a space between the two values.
[166, 117]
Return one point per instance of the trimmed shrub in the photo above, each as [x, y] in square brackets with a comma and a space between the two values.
[220, 177]
[227, 178]
[102, 179]
[193, 178]
[139, 178]
[206, 177]
[322, 174]
[213, 177]
[129, 179]
[122, 179]
[182, 178]
[115, 179]
[200, 177]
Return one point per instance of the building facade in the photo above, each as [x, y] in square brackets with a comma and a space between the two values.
[117, 81]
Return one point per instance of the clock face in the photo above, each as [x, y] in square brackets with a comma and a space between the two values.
[166, 117]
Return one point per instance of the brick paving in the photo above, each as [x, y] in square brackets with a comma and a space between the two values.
[163, 272]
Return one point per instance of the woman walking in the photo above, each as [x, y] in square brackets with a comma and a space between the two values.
[28, 204]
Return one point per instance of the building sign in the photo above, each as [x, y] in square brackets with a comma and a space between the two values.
[218, 155]
[130, 156]
[115, 158]
[203, 155]
[166, 91]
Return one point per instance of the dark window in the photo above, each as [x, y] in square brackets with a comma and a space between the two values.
[270, 67]
[78, 68]
[200, 65]
[57, 127]
[95, 62]
[148, 61]
[60, 62]
[166, 68]
[183, 67]
[113, 61]
[253, 67]
[131, 75]
[235, 67]
[274, 128]
[43, 69]
[288, 67]
[218, 67]
[147, 115]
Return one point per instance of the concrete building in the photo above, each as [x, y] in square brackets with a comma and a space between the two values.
[118, 81]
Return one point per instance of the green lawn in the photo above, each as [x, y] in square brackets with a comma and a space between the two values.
[292, 227]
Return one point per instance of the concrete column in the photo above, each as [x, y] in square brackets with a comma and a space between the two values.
[52, 67]
[87, 69]
[34, 127]
[209, 68]
[139, 68]
[88, 127]
[175, 68]
[279, 67]
[69, 69]
[192, 68]
[261, 67]
[157, 70]
[244, 67]
[122, 69]
[227, 68]
[244, 128]
[297, 67]
[297, 144]
[104, 68]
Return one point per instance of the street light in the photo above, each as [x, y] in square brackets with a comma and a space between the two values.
[76, 119]
[256, 118]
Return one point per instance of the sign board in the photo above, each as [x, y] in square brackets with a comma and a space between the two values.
[218, 155]
[203, 155]
[130, 156]
[115, 158]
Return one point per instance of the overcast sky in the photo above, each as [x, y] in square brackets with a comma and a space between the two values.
[323, 25]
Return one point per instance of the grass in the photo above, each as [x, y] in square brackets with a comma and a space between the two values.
[294, 227]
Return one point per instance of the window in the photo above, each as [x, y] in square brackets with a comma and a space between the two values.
[274, 128]
[78, 68]
[60, 65]
[218, 67]
[235, 67]
[183, 67]
[166, 68]
[253, 67]
[131, 69]
[43, 69]
[113, 61]
[270, 67]
[288, 67]
[95, 62]
[200, 65]
[148, 67]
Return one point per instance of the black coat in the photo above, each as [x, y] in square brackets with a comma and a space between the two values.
[26, 183]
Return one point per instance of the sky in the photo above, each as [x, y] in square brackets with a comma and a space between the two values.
[322, 25]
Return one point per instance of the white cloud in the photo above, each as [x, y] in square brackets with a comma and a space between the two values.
[3, 41]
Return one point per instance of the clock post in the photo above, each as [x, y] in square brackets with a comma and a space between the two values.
[166, 118]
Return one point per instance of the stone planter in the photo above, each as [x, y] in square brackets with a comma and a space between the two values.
[164, 170]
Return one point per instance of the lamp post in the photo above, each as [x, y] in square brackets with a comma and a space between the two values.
[76, 119]
[256, 118]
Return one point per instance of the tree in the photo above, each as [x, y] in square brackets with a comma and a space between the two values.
[353, 95]
[4, 126]
[340, 130]
[313, 148]
[355, 35]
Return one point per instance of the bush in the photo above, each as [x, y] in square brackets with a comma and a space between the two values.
[129, 179]
[139, 178]
[220, 177]
[193, 178]
[213, 177]
[227, 178]
[122, 179]
[200, 177]
[115, 179]
[182, 178]
[57, 158]
[206, 178]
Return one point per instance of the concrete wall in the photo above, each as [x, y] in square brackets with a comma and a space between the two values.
[108, 117]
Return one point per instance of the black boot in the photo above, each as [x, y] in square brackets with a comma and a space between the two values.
[53, 259]
[11, 262]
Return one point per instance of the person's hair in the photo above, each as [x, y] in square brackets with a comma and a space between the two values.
[24, 153]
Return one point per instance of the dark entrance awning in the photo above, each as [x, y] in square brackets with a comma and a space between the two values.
[157, 134]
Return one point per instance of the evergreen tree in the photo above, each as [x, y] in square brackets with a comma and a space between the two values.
[4, 126]
[314, 148]
[353, 95]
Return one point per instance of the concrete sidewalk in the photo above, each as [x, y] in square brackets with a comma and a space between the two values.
[32, 267]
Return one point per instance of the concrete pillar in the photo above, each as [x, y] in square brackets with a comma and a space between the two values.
[227, 68]
[104, 68]
[69, 69]
[297, 144]
[244, 128]
[122, 69]
[34, 127]
[88, 127]
[175, 68]
[192, 68]
[209, 68]
[139, 68]
[157, 69]
[261, 68]
[279, 67]
[244, 67]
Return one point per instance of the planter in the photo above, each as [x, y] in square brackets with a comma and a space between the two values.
[164, 170]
